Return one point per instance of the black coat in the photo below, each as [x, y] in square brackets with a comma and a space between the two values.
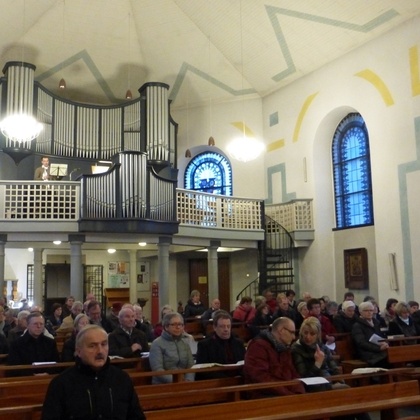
[192, 309]
[216, 350]
[80, 393]
[397, 326]
[342, 323]
[120, 342]
[367, 351]
[26, 350]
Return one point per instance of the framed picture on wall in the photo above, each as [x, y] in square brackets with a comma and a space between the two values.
[356, 273]
[143, 276]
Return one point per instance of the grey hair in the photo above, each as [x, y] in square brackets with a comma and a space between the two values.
[80, 338]
[167, 319]
[366, 305]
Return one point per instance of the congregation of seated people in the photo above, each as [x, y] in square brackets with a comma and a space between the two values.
[290, 337]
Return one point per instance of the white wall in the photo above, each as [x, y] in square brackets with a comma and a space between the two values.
[196, 125]
[338, 90]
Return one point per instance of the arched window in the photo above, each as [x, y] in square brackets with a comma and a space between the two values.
[209, 172]
[352, 174]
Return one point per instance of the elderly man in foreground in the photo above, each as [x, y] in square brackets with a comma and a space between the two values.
[93, 388]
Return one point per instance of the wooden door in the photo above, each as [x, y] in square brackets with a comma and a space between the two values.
[199, 280]
[57, 284]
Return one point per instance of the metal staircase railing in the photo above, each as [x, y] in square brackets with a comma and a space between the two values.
[276, 258]
[252, 290]
[275, 262]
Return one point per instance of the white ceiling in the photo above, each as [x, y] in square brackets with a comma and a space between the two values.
[204, 49]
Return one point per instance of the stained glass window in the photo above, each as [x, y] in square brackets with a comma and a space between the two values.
[209, 172]
[352, 174]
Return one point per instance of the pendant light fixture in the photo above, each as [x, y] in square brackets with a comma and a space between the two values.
[246, 147]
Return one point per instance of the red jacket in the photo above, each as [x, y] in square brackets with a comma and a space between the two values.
[241, 314]
[266, 363]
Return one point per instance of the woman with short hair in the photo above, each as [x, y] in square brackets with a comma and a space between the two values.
[170, 350]
[403, 323]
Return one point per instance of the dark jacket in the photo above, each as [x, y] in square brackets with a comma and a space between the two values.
[4, 346]
[192, 309]
[105, 324]
[81, 393]
[260, 320]
[146, 327]
[367, 351]
[216, 350]
[267, 360]
[304, 361]
[69, 348]
[26, 350]
[398, 326]
[120, 342]
[342, 323]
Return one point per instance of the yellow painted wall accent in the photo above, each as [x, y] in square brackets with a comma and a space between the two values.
[302, 114]
[275, 145]
[243, 128]
[378, 83]
[414, 70]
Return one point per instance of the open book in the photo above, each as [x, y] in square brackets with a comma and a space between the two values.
[207, 365]
[316, 380]
[43, 363]
[367, 370]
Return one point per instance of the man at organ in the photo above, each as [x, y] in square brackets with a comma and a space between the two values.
[43, 172]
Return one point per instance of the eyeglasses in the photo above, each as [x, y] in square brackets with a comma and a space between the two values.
[176, 324]
[290, 331]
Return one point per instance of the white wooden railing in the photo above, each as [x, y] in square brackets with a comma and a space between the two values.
[295, 215]
[218, 211]
[60, 201]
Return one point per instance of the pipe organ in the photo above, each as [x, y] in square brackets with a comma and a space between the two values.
[77, 130]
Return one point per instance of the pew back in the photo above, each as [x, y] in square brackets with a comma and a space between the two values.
[384, 397]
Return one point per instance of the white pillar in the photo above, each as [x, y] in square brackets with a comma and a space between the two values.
[213, 272]
[76, 266]
[38, 289]
[133, 276]
[163, 275]
[3, 240]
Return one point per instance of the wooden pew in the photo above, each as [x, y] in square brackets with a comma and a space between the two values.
[400, 356]
[137, 363]
[20, 389]
[28, 412]
[170, 395]
[177, 394]
[347, 353]
[194, 326]
[322, 405]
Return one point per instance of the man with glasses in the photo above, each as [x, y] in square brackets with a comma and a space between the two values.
[269, 359]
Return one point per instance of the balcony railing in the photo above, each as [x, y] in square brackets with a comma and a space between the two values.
[295, 215]
[218, 211]
[34, 200]
[61, 201]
